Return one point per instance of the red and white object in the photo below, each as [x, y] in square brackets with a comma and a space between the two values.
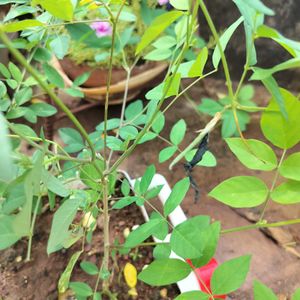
[192, 282]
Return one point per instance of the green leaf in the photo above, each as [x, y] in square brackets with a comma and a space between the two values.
[60, 46]
[65, 11]
[6, 162]
[133, 109]
[172, 85]
[260, 74]
[177, 195]
[180, 4]
[159, 123]
[125, 187]
[152, 193]
[162, 251]
[24, 130]
[296, 295]
[164, 272]
[125, 202]
[273, 88]
[156, 28]
[252, 153]
[81, 289]
[81, 79]
[144, 231]
[147, 178]
[54, 184]
[193, 295]
[64, 279]
[293, 47]
[287, 193]
[128, 132]
[111, 124]
[4, 71]
[42, 55]
[224, 39]
[89, 268]
[209, 106]
[15, 72]
[23, 95]
[241, 191]
[246, 93]
[21, 25]
[188, 238]
[167, 153]
[281, 132]
[290, 167]
[230, 275]
[8, 236]
[208, 159]
[53, 76]
[90, 176]
[197, 68]
[12, 83]
[262, 292]
[62, 219]
[42, 109]
[158, 54]
[72, 139]
[212, 235]
[178, 132]
[167, 41]
[260, 7]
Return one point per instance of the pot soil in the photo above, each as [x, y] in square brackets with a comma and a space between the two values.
[38, 279]
[94, 89]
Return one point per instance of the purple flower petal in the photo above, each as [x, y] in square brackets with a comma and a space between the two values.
[102, 28]
[163, 2]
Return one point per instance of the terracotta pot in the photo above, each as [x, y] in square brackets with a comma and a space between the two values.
[99, 76]
[95, 88]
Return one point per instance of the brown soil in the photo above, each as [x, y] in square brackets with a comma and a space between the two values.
[37, 280]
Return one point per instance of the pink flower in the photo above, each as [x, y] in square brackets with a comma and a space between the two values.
[163, 2]
[102, 28]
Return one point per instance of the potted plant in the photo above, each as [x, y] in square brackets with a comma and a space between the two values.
[90, 39]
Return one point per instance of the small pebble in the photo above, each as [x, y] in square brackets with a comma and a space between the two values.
[134, 227]
[18, 259]
[126, 232]
[164, 293]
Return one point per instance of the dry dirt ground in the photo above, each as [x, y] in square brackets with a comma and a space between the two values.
[275, 256]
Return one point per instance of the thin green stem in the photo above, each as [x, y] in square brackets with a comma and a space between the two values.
[160, 103]
[272, 186]
[31, 232]
[31, 142]
[261, 225]
[37, 76]
[187, 88]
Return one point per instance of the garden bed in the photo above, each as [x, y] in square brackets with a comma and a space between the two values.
[38, 279]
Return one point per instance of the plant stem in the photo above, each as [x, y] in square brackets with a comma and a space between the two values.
[208, 128]
[31, 141]
[128, 71]
[160, 103]
[39, 78]
[224, 63]
[31, 233]
[272, 186]
[187, 88]
[261, 225]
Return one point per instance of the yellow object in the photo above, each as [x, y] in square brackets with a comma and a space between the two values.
[130, 274]
[92, 6]
[84, 2]
[88, 220]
